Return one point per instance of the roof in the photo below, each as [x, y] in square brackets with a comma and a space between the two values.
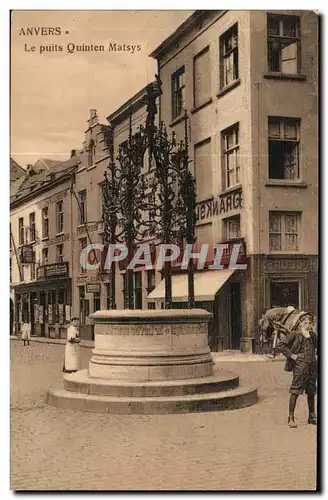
[131, 105]
[181, 31]
[42, 180]
[16, 171]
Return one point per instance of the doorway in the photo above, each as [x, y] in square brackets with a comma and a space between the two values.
[235, 315]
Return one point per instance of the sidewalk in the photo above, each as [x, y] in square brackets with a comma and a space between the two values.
[228, 356]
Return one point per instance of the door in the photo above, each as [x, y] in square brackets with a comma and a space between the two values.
[284, 294]
[235, 315]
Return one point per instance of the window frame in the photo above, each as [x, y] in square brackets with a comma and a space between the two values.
[283, 121]
[82, 246]
[232, 33]
[280, 38]
[21, 234]
[83, 207]
[283, 234]
[59, 217]
[177, 108]
[45, 222]
[45, 250]
[205, 50]
[226, 221]
[227, 151]
[60, 255]
[32, 227]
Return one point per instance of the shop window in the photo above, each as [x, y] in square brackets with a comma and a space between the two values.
[283, 44]
[202, 77]
[96, 301]
[45, 223]
[45, 255]
[125, 290]
[232, 228]
[285, 293]
[137, 278]
[32, 226]
[33, 270]
[203, 169]
[60, 253]
[21, 230]
[230, 148]
[59, 217]
[82, 207]
[84, 306]
[178, 92]
[284, 148]
[229, 56]
[284, 231]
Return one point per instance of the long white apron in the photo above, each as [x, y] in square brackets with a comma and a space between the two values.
[72, 350]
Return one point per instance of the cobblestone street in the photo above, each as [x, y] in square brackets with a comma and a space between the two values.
[247, 449]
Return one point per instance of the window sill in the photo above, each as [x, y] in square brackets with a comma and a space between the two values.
[177, 120]
[201, 106]
[91, 167]
[284, 76]
[285, 183]
[46, 238]
[284, 252]
[228, 88]
[231, 189]
[60, 234]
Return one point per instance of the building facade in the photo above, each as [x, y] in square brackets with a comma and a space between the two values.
[249, 83]
[41, 251]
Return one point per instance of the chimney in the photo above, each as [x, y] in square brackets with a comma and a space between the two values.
[93, 120]
[73, 152]
[29, 169]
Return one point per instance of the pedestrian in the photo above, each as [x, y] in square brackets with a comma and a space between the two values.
[299, 348]
[26, 333]
[72, 348]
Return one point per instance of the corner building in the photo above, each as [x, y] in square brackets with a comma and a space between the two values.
[249, 83]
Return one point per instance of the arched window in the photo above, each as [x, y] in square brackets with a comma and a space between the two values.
[91, 153]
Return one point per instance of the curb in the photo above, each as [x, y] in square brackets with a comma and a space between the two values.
[47, 340]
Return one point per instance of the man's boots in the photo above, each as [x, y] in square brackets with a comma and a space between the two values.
[312, 416]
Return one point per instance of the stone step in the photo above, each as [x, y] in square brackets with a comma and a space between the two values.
[80, 382]
[233, 399]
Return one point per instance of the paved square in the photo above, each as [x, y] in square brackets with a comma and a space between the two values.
[247, 449]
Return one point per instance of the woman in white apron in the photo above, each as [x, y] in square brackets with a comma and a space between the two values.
[26, 333]
[72, 348]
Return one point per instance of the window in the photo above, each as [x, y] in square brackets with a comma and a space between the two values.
[284, 231]
[32, 226]
[59, 217]
[203, 170]
[91, 153]
[284, 294]
[232, 228]
[60, 253]
[178, 92]
[10, 271]
[230, 140]
[284, 44]
[45, 223]
[83, 206]
[83, 244]
[45, 254]
[151, 305]
[10, 237]
[137, 289]
[284, 148]
[229, 56]
[21, 230]
[125, 291]
[84, 306]
[96, 301]
[150, 280]
[202, 77]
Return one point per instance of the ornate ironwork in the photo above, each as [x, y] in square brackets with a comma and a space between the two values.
[171, 209]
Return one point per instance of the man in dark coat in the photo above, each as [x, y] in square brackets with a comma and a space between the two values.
[299, 348]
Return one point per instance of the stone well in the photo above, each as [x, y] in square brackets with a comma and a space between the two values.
[152, 361]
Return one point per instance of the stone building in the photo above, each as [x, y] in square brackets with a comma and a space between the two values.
[40, 248]
[249, 83]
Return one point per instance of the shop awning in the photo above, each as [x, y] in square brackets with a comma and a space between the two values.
[207, 284]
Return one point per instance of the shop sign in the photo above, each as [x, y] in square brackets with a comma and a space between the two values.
[212, 207]
[227, 252]
[50, 314]
[91, 279]
[56, 197]
[91, 227]
[41, 313]
[57, 240]
[52, 271]
[93, 288]
[61, 314]
[27, 255]
[290, 265]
